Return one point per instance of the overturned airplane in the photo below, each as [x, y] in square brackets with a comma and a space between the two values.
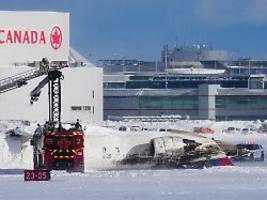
[178, 149]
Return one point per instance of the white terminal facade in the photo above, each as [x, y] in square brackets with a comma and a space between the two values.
[26, 38]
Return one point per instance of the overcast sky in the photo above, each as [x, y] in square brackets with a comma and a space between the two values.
[139, 28]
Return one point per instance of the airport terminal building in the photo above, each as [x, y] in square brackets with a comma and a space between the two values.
[206, 102]
[194, 97]
[195, 82]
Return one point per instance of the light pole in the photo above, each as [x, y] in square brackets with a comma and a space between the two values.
[123, 64]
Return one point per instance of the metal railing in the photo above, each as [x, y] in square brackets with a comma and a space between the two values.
[19, 80]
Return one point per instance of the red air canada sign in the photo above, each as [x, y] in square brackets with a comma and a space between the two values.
[31, 37]
[27, 37]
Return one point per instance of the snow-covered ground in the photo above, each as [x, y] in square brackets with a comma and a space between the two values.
[214, 183]
[242, 181]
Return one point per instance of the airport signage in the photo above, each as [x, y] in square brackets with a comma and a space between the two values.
[37, 175]
[30, 36]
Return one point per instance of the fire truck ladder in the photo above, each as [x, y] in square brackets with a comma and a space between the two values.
[54, 92]
[19, 80]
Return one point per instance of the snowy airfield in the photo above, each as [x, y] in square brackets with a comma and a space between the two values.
[102, 180]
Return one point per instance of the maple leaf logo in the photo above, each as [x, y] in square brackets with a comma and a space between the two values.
[56, 37]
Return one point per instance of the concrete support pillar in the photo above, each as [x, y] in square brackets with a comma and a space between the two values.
[207, 101]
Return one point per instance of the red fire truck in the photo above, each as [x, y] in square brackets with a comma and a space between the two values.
[56, 147]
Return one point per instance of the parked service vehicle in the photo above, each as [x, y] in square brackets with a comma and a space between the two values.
[254, 152]
[242, 151]
[263, 128]
[232, 130]
[203, 130]
[248, 131]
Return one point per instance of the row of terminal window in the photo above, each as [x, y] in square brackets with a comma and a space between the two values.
[83, 108]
